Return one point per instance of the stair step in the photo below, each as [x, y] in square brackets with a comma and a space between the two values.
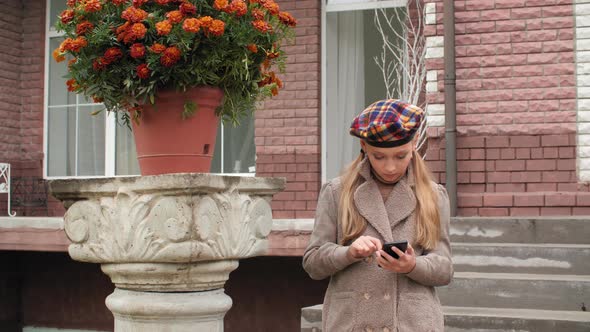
[462, 319]
[522, 258]
[572, 230]
[509, 290]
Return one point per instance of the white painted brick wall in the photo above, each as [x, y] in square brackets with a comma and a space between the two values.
[582, 14]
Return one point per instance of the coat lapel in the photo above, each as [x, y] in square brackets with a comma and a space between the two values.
[399, 205]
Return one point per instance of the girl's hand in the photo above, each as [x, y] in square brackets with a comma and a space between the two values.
[363, 247]
[405, 263]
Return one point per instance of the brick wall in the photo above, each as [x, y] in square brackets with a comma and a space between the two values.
[516, 108]
[288, 126]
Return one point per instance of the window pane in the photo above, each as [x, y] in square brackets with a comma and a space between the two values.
[239, 150]
[354, 80]
[91, 141]
[61, 144]
[56, 7]
[125, 154]
[216, 162]
[58, 92]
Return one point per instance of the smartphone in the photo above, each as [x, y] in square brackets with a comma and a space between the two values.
[401, 245]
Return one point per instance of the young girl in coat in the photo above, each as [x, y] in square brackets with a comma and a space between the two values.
[385, 195]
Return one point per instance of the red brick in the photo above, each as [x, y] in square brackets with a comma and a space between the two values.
[524, 212]
[529, 199]
[525, 177]
[524, 141]
[566, 164]
[497, 200]
[581, 211]
[493, 212]
[583, 199]
[469, 200]
[536, 187]
[510, 3]
[467, 212]
[510, 187]
[510, 165]
[556, 211]
[492, 154]
[519, 13]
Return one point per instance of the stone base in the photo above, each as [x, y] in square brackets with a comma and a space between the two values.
[162, 312]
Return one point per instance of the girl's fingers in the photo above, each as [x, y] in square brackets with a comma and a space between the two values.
[410, 250]
[398, 252]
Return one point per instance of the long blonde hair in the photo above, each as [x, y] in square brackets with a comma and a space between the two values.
[427, 214]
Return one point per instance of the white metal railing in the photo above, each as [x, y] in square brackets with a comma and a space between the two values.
[5, 184]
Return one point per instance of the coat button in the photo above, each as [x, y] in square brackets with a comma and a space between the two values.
[367, 296]
[386, 297]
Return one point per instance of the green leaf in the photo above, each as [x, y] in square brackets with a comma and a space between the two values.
[190, 108]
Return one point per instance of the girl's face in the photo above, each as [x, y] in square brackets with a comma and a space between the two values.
[389, 163]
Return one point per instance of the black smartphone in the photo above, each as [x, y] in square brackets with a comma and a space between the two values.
[401, 245]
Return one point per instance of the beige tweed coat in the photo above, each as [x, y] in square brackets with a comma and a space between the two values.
[362, 296]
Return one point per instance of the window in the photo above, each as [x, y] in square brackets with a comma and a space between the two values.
[351, 78]
[78, 144]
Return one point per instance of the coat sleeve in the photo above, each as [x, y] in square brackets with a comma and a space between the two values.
[435, 268]
[323, 256]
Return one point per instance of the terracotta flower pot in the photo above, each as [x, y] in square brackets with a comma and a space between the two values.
[167, 143]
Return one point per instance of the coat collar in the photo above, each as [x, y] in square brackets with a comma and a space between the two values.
[399, 205]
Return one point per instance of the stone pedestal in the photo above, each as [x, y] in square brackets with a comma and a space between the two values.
[167, 242]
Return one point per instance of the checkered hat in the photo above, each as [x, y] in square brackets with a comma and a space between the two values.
[387, 123]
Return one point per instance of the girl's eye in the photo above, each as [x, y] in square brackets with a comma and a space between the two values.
[402, 156]
[378, 157]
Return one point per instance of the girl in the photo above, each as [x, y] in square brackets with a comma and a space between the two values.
[385, 195]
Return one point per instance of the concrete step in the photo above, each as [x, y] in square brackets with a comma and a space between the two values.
[512, 290]
[571, 230]
[462, 319]
[534, 258]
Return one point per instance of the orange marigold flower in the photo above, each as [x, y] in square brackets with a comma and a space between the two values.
[118, 2]
[143, 71]
[262, 26]
[72, 85]
[239, 7]
[271, 6]
[174, 16]
[92, 6]
[163, 27]
[252, 47]
[188, 8]
[58, 56]
[272, 55]
[137, 51]
[217, 28]
[112, 54]
[138, 30]
[139, 3]
[162, 2]
[134, 15]
[67, 16]
[287, 19]
[99, 64]
[71, 62]
[84, 27]
[257, 14]
[191, 25]
[274, 91]
[71, 3]
[73, 45]
[157, 48]
[97, 99]
[220, 4]
[206, 21]
[170, 56]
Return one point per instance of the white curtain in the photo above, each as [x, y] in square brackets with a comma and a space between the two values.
[345, 87]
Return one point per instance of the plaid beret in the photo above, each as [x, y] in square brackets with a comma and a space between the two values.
[387, 123]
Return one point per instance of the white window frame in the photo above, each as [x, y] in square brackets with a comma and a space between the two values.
[110, 125]
[338, 6]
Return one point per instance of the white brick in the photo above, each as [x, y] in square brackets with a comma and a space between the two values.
[431, 87]
[431, 19]
[432, 76]
[582, 9]
[582, 56]
[583, 20]
[583, 140]
[584, 176]
[437, 41]
[584, 151]
[583, 80]
[584, 163]
[436, 120]
[584, 92]
[582, 33]
[582, 44]
[583, 105]
[584, 128]
[583, 68]
[430, 8]
[438, 52]
[435, 109]
[584, 116]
